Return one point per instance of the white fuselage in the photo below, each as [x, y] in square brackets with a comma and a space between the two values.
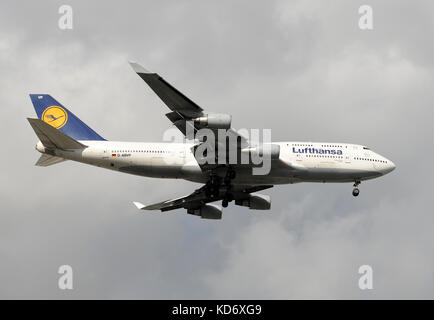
[298, 162]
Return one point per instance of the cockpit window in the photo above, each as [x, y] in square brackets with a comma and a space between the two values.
[366, 148]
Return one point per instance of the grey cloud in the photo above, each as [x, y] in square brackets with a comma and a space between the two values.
[302, 68]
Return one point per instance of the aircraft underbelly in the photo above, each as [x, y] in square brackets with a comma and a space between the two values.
[319, 174]
[155, 167]
[153, 171]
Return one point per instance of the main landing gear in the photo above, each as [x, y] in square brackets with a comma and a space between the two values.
[225, 202]
[215, 184]
[356, 190]
[213, 187]
[230, 175]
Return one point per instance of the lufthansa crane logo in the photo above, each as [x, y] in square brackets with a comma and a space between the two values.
[55, 116]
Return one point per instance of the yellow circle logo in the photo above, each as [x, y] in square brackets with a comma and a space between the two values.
[55, 116]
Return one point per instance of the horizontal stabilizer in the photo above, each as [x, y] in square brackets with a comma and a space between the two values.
[47, 160]
[53, 138]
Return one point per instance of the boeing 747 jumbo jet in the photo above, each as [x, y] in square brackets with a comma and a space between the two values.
[63, 136]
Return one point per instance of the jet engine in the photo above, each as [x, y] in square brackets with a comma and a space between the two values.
[207, 211]
[269, 151]
[255, 201]
[214, 121]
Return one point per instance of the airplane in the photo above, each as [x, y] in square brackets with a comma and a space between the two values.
[63, 136]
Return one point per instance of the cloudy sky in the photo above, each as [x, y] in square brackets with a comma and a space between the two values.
[302, 68]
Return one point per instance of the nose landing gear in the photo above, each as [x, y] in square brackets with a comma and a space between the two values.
[356, 190]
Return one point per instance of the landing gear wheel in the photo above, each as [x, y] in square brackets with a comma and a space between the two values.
[356, 192]
[225, 203]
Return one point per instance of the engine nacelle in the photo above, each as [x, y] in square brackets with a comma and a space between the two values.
[215, 121]
[269, 151]
[207, 211]
[256, 201]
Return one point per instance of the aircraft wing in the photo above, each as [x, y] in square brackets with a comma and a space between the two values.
[200, 197]
[184, 110]
[181, 106]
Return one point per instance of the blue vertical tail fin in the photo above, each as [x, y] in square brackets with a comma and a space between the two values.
[55, 114]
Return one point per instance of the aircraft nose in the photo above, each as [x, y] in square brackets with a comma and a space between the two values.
[390, 166]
